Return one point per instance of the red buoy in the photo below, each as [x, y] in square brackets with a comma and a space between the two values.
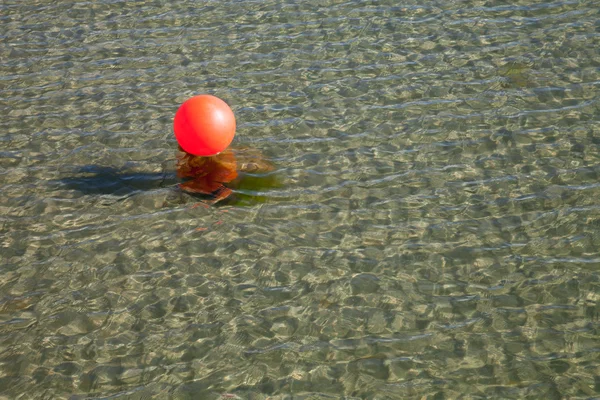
[204, 125]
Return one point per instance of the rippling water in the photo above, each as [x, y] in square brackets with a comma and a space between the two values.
[434, 233]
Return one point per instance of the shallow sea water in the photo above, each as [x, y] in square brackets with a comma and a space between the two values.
[434, 232]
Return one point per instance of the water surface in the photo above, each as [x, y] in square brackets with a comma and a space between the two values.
[434, 232]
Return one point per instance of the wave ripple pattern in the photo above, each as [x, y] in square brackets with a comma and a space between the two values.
[434, 233]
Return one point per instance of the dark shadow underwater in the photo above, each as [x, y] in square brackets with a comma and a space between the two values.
[96, 180]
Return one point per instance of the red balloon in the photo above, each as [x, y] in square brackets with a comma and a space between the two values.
[204, 125]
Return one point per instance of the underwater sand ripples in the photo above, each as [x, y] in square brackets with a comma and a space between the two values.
[435, 233]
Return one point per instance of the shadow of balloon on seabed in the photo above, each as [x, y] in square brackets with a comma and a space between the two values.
[102, 180]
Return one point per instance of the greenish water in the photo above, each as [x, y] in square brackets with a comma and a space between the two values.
[433, 233]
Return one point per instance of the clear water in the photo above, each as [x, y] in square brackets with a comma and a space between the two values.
[434, 235]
